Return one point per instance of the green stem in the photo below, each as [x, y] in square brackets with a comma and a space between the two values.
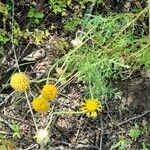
[123, 29]
[90, 90]
[67, 112]
[43, 80]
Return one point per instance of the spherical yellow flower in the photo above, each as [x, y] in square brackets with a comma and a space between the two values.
[40, 104]
[91, 107]
[20, 82]
[49, 92]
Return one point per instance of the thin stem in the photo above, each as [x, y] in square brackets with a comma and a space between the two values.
[31, 111]
[60, 113]
[48, 75]
[12, 37]
[138, 52]
[43, 80]
[67, 112]
[90, 90]
[101, 138]
[134, 20]
[42, 146]
[3, 132]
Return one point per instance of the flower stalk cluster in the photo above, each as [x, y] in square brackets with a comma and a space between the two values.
[20, 83]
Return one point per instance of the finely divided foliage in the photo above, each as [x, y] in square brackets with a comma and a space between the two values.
[81, 43]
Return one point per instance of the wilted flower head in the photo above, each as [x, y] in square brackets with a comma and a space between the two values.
[20, 82]
[91, 107]
[41, 136]
[76, 42]
[40, 104]
[49, 92]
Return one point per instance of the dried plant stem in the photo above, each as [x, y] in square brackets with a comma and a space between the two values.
[101, 137]
[42, 146]
[12, 37]
[31, 111]
[133, 118]
[61, 113]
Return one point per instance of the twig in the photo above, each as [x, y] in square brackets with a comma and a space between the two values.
[31, 146]
[31, 111]
[79, 130]
[5, 133]
[133, 118]
[24, 50]
[6, 98]
[19, 120]
[81, 146]
[12, 37]
[43, 80]
[61, 87]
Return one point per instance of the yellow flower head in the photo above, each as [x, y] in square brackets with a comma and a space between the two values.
[49, 92]
[40, 104]
[91, 107]
[20, 82]
[41, 136]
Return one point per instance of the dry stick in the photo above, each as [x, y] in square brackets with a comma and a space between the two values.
[32, 146]
[61, 87]
[6, 98]
[24, 50]
[51, 68]
[133, 118]
[31, 111]
[78, 132]
[5, 133]
[60, 113]
[82, 146]
[101, 138]
[12, 37]
[19, 120]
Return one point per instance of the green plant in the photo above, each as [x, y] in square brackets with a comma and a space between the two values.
[144, 58]
[3, 36]
[71, 24]
[5, 15]
[4, 9]
[35, 15]
[108, 47]
[60, 6]
[16, 129]
[61, 44]
[144, 147]
[121, 144]
[134, 132]
[7, 144]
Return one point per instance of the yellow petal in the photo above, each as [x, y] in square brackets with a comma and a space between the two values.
[94, 114]
[88, 114]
